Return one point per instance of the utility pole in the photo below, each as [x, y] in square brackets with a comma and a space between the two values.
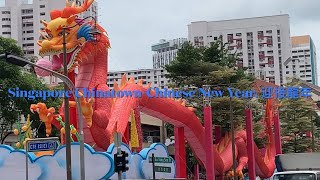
[312, 134]
[234, 165]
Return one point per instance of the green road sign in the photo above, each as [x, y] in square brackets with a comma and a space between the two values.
[160, 160]
[162, 169]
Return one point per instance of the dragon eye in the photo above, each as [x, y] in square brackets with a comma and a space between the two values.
[61, 33]
[50, 36]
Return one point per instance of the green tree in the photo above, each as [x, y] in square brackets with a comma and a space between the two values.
[12, 77]
[295, 115]
[215, 66]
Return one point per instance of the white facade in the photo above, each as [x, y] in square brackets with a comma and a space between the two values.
[262, 42]
[166, 51]
[155, 76]
[303, 64]
[20, 20]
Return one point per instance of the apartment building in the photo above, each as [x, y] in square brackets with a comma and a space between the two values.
[166, 51]
[155, 76]
[263, 43]
[21, 21]
[303, 64]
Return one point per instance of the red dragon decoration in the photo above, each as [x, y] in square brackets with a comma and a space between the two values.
[105, 115]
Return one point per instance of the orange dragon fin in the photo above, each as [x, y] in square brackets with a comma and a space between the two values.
[71, 10]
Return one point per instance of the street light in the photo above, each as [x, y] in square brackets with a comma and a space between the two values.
[22, 62]
[95, 33]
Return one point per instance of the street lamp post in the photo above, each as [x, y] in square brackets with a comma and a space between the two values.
[22, 62]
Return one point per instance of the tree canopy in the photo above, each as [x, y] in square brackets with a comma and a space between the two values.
[215, 66]
[297, 117]
[12, 76]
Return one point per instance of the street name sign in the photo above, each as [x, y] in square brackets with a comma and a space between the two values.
[160, 160]
[43, 144]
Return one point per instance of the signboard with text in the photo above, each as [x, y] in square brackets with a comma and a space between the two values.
[43, 144]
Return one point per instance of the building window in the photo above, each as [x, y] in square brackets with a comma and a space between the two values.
[215, 38]
[31, 31]
[42, 6]
[5, 12]
[27, 24]
[6, 26]
[28, 44]
[269, 31]
[27, 11]
[27, 17]
[279, 39]
[278, 32]
[230, 38]
[29, 52]
[30, 38]
[6, 19]
[238, 34]
[42, 14]
[6, 32]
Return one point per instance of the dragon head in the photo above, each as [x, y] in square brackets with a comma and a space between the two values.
[79, 40]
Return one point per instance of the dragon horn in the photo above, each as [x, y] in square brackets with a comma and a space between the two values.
[39, 43]
[67, 3]
[69, 11]
[44, 23]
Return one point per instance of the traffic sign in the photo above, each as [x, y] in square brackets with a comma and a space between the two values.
[160, 160]
[162, 169]
[42, 146]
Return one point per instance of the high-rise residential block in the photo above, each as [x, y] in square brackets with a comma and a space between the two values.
[154, 76]
[303, 64]
[166, 51]
[263, 43]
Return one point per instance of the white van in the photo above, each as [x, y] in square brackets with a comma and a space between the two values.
[297, 175]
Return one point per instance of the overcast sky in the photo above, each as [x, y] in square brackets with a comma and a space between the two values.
[134, 25]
